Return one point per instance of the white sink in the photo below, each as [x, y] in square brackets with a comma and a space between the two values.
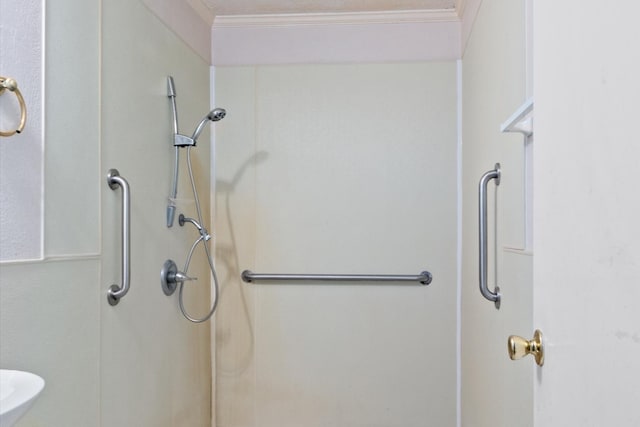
[18, 390]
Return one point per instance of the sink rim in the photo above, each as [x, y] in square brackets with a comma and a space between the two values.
[23, 387]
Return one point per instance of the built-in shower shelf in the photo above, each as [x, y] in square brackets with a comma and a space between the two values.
[521, 120]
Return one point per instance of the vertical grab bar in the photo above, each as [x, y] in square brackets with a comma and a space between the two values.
[115, 292]
[482, 215]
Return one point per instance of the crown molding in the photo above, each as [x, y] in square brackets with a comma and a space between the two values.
[195, 24]
[336, 43]
[460, 6]
[467, 11]
[201, 9]
[186, 22]
[347, 18]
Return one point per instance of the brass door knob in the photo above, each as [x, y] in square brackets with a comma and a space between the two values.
[520, 347]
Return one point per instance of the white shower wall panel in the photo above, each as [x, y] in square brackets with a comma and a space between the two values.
[139, 363]
[337, 169]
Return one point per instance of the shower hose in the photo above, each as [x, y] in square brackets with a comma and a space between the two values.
[204, 237]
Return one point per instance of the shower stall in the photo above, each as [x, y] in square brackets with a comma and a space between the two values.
[309, 178]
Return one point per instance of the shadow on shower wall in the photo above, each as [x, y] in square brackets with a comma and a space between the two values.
[234, 339]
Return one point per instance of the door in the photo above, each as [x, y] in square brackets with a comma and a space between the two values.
[587, 206]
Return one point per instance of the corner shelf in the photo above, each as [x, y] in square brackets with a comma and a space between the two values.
[521, 120]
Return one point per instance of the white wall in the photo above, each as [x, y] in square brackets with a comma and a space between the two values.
[21, 154]
[495, 391]
[336, 169]
[146, 337]
[587, 205]
[139, 363]
[50, 309]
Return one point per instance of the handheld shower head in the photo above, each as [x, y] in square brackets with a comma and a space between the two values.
[217, 114]
[214, 115]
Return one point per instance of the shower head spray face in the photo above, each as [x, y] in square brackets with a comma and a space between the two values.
[217, 114]
[214, 115]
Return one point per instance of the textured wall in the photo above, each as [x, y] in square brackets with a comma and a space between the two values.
[21, 155]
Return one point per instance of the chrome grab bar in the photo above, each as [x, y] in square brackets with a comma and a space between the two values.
[115, 292]
[423, 278]
[482, 215]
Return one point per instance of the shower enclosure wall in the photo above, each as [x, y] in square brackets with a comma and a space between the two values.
[139, 363]
[336, 169]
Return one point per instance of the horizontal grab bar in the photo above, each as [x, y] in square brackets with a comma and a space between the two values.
[424, 278]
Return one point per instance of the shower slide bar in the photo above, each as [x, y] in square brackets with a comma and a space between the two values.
[115, 292]
[423, 278]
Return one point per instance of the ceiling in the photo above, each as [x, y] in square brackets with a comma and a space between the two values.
[209, 9]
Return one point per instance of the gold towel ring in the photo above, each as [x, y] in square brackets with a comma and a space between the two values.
[12, 86]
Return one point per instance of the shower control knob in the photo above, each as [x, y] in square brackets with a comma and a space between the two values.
[170, 277]
[181, 277]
